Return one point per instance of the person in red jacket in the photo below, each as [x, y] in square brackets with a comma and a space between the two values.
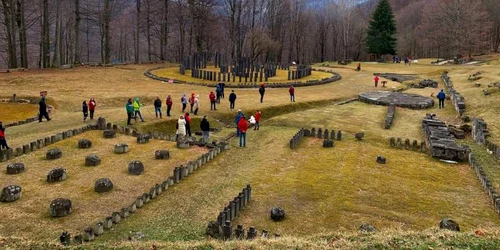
[257, 120]
[3, 142]
[212, 100]
[188, 124]
[92, 105]
[169, 103]
[242, 128]
[191, 101]
[376, 80]
[291, 90]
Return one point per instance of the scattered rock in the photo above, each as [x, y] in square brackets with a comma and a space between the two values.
[65, 238]
[427, 83]
[53, 154]
[56, 174]
[135, 168]
[143, 138]
[359, 135]
[465, 118]
[183, 144]
[109, 133]
[214, 230]
[103, 185]
[367, 228]
[92, 160]
[477, 85]
[449, 224]
[162, 154]
[381, 159]
[60, 207]
[328, 143]
[10, 193]
[277, 214]
[84, 143]
[121, 148]
[15, 168]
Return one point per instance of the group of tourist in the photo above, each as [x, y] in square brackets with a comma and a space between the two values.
[407, 60]
[133, 110]
[90, 107]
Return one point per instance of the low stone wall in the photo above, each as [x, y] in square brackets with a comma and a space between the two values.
[485, 182]
[480, 134]
[408, 144]
[335, 77]
[457, 99]
[296, 139]
[390, 116]
[323, 133]
[442, 143]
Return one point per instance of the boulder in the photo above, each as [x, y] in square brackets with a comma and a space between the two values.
[277, 214]
[328, 143]
[92, 160]
[183, 144]
[65, 238]
[10, 193]
[84, 143]
[109, 133]
[53, 154]
[57, 174]
[15, 168]
[381, 159]
[449, 224]
[135, 168]
[60, 207]
[214, 230]
[359, 135]
[103, 185]
[427, 83]
[121, 148]
[367, 228]
[162, 154]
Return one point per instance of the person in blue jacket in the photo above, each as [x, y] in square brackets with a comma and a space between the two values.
[441, 96]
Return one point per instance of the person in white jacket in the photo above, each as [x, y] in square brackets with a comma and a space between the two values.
[181, 127]
[196, 105]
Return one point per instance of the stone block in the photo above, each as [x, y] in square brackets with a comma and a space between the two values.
[84, 143]
[109, 133]
[60, 207]
[56, 175]
[10, 193]
[53, 154]
[121, 148]
[15, 168]
[103, 185]
[135, 168]
[92, 160]
[162, 154]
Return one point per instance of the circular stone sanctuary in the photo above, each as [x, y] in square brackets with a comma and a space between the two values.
[399, 99]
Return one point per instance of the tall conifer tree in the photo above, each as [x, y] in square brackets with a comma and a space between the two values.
[381, 37]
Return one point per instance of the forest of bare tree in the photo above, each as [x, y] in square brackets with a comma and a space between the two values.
[50, 33]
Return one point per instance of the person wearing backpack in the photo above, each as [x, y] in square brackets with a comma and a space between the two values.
[129, 107]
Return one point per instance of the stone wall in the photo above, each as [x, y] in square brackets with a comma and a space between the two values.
[485, 182]
[390, 116]
[480, 134]
[442, 143]
[456, 98]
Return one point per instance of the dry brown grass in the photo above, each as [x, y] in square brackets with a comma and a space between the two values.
[29, 216]
[12, 112]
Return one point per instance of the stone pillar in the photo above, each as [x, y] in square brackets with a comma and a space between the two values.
[339, 135]
[251, 233]
[392, 142]
[227, 230]
[407, 144]
[320, 133]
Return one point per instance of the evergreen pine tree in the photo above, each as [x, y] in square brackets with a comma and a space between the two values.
[381, 37]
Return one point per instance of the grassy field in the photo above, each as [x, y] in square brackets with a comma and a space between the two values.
[12, 112]
[29, 216]
[281, 75]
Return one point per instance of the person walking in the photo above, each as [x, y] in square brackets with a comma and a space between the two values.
[237, 119]
[242, 128]
[181, 127]
[137, 109]
[376, 80]
[129, 107]
[3, 141]
[92, 105]
[196, 104]
[184, 101]
[222, 87]
[211, 96]
[205, 129]
[169, 103]
[218, 93]
[188, 124]
[441, 96]
[85, 110]
[262, 91]
[191, 101]
[232, 99]
[43, 110]
[257, 120]
[157, 104]
[291, 90]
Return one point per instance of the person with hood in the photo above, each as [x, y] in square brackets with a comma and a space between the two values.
[218, 93]
[211, 96]
[237, 119]
[42, 111]
[191, 101]
[205, 129]
[92, 105]
[242, 128]
[184, 102]
[181, 127]
[262, 91]
[169, 103]
[376, 79]
[3, 141]
[441, 96]
[257, 120]
[196, 104]
[291, 90]
[188, 124]
[232, 99]
[137, 109]
[129, 107]
[85, 110]
[157, 104]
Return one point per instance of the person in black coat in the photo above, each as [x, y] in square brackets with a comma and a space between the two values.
[262, 91]
[232, 99]
[205, 129]
[43, 110]
[157, 104]
[85, 110]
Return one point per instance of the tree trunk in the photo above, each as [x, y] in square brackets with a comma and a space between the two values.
[78, 51]
[11, 45]
[107, 20]
[148, 27]
[137, 30]
[46, 35]
[21, 23]
[164, 32]
[57, 52]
